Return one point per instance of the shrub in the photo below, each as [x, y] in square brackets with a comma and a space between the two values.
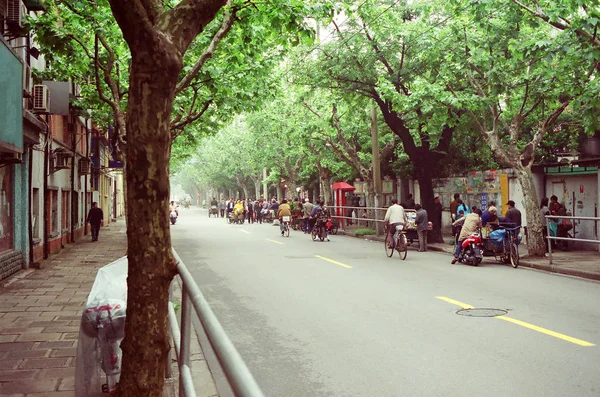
[365, 232]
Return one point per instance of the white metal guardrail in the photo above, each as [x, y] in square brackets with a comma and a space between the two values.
[240, 379]
[550, 218]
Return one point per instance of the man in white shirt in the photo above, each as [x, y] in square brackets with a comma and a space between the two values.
[396, 217]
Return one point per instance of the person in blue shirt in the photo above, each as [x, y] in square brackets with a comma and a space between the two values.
[489, 216]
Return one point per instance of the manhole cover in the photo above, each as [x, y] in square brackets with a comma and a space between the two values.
[481, 312]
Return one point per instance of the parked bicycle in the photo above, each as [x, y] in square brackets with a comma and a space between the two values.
[401, 245]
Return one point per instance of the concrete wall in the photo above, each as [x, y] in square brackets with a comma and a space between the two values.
[579, 194]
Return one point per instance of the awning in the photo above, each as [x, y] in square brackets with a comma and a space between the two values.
[343, 186]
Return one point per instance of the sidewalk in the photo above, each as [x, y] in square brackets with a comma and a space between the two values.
[40, 312]
[585, 264]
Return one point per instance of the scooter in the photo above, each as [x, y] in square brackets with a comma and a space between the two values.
[472, 248]
[173, 216]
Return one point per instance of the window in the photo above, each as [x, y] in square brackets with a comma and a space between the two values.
[53, 198]
[35, 212]
[65, 211]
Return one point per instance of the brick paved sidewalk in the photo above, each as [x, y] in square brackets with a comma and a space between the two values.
[40, 312]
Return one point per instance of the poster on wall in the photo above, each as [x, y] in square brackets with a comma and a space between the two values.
[6, 197]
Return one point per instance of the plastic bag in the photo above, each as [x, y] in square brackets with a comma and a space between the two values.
[497, 236]
[98, 366]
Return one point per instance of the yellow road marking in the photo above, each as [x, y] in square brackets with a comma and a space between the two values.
[455, 302]
[332, 261]
[542, 330]
[244, 231]
[274, 241]
[546, 331]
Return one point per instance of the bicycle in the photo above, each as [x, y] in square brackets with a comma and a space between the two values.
[286, 225]
[510, 249]
[401, 244]
[319, 231]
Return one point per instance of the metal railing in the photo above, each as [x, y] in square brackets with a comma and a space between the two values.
[358, 218]
[240, 379]
[549, 236]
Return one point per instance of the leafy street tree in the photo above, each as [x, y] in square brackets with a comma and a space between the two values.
[387, 51]
[521, 81]
[159, 36]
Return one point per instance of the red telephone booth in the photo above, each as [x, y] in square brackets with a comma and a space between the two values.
[339, 198]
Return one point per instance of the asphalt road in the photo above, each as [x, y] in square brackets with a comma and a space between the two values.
[352, 322]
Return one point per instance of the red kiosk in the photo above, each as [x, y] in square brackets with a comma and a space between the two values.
[339, 199]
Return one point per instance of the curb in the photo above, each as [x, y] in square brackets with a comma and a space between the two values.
[524, 262]
[559, 270]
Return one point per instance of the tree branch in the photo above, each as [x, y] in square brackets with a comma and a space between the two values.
[191, 118]
[228, 20]
[306, 105]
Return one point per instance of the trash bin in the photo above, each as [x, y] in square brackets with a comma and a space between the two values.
[102, 329]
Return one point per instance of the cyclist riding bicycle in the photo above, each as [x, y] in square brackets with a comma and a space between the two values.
[283, 210]
[395, 216]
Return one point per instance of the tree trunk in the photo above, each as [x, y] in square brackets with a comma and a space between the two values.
[256, 189]
[327, 193]
[424, 176]
[535, 238]
[370, 202]
[424, 158]
[291, 186]
[151, 264]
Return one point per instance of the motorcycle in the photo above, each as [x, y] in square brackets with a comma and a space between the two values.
[472, 248]
[320, 230]
[332, 226]
[173, 216]
[214, 210]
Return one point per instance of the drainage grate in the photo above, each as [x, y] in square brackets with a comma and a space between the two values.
[481, 312]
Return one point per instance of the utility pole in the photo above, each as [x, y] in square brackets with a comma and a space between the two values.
[375, 164]
[265, 186]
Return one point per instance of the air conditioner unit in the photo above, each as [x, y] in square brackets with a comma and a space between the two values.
[41, 99]
[61, 160]
[11, 158]
[75, 89]
[84, 166]
[15, 13]
[27, 81]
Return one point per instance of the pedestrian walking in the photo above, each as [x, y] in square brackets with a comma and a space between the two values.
[250, 211]
[422, 227]
[258, 211]
[306, 210]
[453, 210]
[96, 219]
[222, 206]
